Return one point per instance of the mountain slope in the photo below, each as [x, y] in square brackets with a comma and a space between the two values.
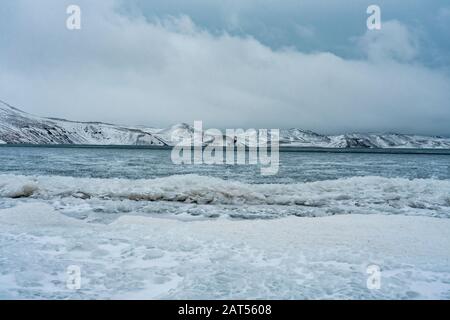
[18, 127]
[388, 140]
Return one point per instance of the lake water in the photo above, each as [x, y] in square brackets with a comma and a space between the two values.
[99, 184]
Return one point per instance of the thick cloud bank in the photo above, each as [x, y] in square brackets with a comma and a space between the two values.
[125, 68]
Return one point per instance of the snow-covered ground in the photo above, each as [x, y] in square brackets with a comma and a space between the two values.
[150, 258]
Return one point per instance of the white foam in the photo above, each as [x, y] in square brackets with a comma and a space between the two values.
[362, 195]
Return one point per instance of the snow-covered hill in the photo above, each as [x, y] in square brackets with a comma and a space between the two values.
[18, 127]
[300, 138]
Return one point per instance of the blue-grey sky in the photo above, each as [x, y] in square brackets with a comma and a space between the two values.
[311, 25]
[255, 63]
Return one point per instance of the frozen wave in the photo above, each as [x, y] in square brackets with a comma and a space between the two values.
[361, 195]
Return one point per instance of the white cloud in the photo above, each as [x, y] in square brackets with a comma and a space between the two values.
[130, 70]
[393, 41]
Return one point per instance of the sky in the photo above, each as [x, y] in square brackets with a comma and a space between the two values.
[253, 64]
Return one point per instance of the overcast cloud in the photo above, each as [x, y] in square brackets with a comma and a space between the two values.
[158, 63]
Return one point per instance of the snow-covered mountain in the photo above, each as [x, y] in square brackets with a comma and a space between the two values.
[300, 138]
[19, 127]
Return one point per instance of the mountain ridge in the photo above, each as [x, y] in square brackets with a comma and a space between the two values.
[20, 127]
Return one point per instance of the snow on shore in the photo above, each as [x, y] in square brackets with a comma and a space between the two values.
[150, 258]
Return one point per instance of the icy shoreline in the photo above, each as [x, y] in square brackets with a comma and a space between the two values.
[195, 195]
[292, 258]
